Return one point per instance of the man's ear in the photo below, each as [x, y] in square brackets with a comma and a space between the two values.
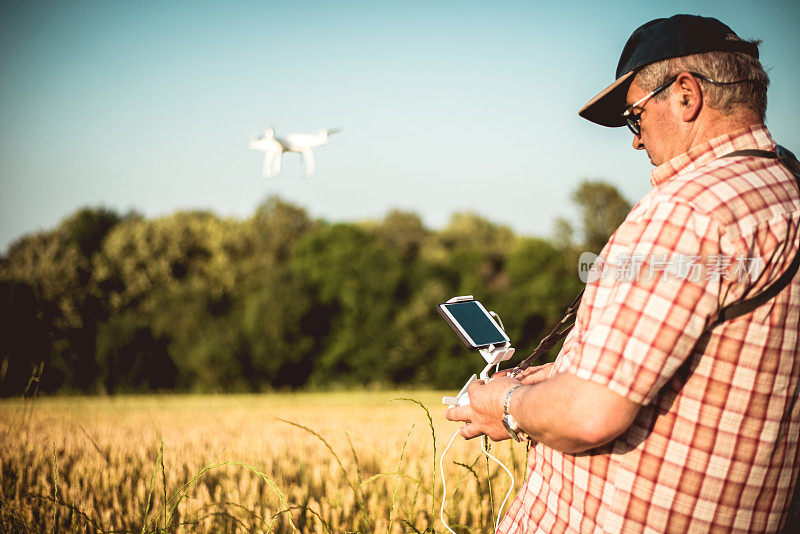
[690, 96]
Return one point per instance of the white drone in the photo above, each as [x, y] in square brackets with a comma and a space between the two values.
[274, 147]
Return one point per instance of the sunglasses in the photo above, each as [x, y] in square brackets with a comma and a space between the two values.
[633, 117]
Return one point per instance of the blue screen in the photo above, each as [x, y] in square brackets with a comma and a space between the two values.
[477, 324]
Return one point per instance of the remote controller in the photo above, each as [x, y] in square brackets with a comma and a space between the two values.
[462, 399]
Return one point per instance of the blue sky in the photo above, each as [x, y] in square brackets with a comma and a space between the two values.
[445, 106]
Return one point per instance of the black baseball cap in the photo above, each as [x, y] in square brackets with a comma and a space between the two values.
[657, 40]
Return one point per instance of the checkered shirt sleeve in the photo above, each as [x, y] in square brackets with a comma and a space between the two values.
[645, 317]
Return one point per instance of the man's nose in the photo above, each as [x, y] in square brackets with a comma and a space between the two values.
[637, 142]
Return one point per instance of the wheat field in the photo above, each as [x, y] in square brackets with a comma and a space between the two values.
[281, 462]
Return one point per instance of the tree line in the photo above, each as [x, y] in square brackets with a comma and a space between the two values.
[109, 302]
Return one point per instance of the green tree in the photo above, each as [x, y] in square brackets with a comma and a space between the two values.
[88, 227]
[282, 329]
[543, 283]
[470, 253]
[143, 259]
[47, 280]
[26, 335]
[131, 358]
[354, 278]
[602, 209]
[275, 228]
[272, 309]
[426, 350]
[179, 274]
[404, 233]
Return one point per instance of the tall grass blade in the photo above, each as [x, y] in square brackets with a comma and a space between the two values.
[470, 469]
[433, 440]
[55, 490]
[363, 501]
[487, 444]
[164, 484]
[103, 453]
[514, 465]
[152, 488]
[397, 478]
[415, 529]
[22, 406]
[330, 449]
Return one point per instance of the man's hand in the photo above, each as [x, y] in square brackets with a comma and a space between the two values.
[531, 375]
[484, 414]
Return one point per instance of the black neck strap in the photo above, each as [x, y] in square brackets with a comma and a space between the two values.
[733, 311]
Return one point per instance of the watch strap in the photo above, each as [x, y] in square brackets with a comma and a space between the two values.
[510, 424]
[507, 401]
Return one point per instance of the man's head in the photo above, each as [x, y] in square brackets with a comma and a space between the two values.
[689, 77]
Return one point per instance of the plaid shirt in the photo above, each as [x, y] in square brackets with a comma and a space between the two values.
[715, 443]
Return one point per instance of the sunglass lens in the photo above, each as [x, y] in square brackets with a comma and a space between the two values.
[633, 123]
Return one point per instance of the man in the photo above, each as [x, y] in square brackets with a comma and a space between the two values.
[658, 413]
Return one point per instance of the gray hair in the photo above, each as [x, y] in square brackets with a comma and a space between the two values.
[720, 67]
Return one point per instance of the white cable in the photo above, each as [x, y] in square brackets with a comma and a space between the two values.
[508, 494]
[444, 484]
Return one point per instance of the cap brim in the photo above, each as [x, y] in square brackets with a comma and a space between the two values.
[607, 107]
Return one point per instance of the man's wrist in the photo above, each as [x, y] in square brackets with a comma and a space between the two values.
[509, 422]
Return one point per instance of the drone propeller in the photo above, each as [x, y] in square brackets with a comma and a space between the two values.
[262, 135]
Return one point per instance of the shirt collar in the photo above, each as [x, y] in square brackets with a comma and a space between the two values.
[756, 136]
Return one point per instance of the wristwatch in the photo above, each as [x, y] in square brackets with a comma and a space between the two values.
[513, 429]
